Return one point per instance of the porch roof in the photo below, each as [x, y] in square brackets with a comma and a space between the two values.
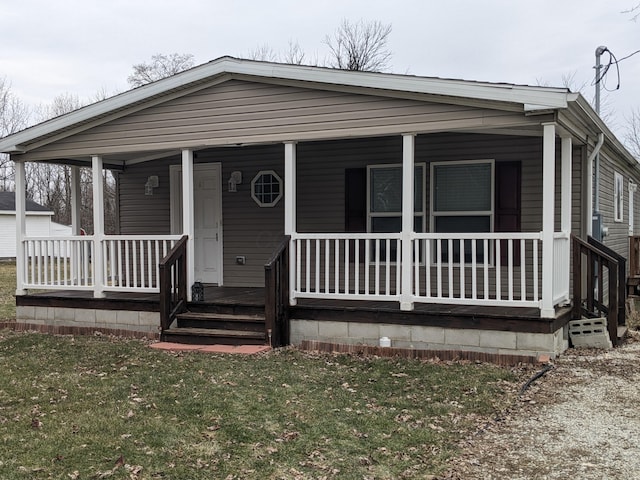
[500, 96]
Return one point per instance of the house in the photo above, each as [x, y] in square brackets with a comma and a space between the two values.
[38, 223]
[338, 207]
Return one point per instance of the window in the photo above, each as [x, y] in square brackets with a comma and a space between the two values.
[384, 201]
[384, 206]
[266, 188]
[462, 201]
[618, 197]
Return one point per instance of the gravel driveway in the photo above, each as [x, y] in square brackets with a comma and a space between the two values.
[579, 421]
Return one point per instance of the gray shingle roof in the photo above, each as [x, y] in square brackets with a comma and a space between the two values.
[8, 203]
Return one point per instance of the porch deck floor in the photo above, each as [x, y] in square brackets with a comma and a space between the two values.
[254, 296]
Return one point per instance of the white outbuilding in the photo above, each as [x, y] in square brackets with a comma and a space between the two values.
[38, 220]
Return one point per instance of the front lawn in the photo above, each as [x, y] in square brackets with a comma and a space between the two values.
[99, 407]
[7, 290]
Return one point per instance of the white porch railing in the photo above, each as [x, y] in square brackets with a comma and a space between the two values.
[562, 265]
[493, 269]
[130, 262]
[477, 268]
[358, 266]
[58, 263]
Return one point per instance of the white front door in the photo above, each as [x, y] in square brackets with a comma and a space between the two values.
[207, 216]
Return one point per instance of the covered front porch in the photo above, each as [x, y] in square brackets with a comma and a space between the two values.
[470, 263]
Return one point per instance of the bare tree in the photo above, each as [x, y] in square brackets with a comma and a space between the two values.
[159, 67]
[632, 134]
[634, 12]
[360, 46]
[263, 53]
[294, 54]
[14, 116]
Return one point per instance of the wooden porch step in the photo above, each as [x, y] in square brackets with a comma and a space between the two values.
[210, 336]
[221, 321]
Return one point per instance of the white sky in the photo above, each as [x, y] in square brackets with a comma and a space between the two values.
[51, 47]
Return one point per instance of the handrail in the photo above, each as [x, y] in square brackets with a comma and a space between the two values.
[622, 276]
[634, 256]
[173, 283]
[593, 303]
[276, 292]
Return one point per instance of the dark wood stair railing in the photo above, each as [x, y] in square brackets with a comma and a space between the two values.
[622, 276]
[276, 295]
[588, 296]
[173, 284]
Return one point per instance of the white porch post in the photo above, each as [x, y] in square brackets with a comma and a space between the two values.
[188, 224]
[406, 293]
[548, 193]
[75, 201]
[290, 212]
[21, 226]
[98, 227]
[565, 212]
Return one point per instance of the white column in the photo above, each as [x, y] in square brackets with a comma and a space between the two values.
[21, 226]
[565, 209]
[406, 294]
[290, 212]
[632, 192]
[548, 193]
[188, 223]
[98, 227]
[75, 201]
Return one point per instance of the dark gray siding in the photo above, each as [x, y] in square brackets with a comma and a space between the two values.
[254, 232]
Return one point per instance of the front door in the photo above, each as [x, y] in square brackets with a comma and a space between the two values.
[207, 217]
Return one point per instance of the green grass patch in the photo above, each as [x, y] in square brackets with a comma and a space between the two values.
[99, 407]
[7, 290]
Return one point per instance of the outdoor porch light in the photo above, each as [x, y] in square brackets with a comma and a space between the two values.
[235, 179]
[152, 182]
[197, 292]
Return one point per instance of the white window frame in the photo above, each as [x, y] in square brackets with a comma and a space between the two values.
[460, 213]
[253, 189]
[423, 207]
[618, 197]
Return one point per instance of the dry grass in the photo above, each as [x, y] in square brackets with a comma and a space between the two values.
[99, 407]
[7, 290]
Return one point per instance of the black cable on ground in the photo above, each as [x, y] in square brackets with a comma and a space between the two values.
[546, 368]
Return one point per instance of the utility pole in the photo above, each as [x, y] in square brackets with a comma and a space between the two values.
[597, 217]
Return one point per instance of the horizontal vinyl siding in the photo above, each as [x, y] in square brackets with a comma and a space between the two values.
[321, 173]
[618, 235]
[142, 214]
[240, 112]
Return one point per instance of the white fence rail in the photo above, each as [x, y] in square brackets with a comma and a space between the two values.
[477, 268]
[359, 266]
[58, 262]
[130, 262]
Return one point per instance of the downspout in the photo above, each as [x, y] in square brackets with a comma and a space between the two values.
[594, 201]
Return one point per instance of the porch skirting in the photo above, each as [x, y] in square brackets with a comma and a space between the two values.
[90, 319]
[306, 333]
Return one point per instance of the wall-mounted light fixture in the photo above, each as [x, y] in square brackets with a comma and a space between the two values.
[234, 180]
[152, 182]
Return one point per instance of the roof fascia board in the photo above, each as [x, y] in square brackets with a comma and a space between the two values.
[549, 97]
[554, 98]
[585, 109]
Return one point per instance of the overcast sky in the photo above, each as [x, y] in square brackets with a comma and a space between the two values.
[81, 46]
